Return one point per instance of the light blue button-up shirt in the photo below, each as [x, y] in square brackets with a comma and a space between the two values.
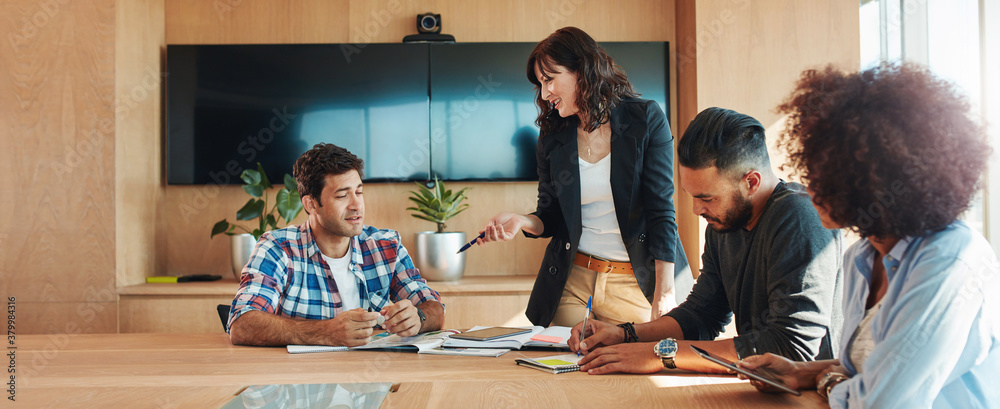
[937, 335]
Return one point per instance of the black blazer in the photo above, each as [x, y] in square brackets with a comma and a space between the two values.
[642, 153]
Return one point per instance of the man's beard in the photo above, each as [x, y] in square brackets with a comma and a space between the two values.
[736, 217]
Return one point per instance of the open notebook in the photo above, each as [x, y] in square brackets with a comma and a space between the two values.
[539, 337]
[427, 343]
[555, 364]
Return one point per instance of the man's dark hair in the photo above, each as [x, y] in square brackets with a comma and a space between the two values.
[732, 142]
[324, 159]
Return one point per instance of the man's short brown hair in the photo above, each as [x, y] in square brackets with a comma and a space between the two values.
[324, 159]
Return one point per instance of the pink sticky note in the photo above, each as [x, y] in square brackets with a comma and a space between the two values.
[547, 338]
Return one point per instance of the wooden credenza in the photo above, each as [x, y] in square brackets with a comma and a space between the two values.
[191, 307]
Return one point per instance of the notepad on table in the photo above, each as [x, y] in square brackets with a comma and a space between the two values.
[556, 364]
[418, 343]
[305, 349]
[552, 337]
[493, 352]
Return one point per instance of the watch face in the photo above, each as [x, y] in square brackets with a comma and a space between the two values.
[666, 348]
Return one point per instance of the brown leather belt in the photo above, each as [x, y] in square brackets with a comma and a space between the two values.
[601, 265]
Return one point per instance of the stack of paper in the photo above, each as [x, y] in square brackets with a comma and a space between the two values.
[428, 343]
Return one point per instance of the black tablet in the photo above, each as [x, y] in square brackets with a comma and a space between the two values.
[753, 375]
[488, 334]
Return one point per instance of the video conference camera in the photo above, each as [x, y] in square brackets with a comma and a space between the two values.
[429, 30]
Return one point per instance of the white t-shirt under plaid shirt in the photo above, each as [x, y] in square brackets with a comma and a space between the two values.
[287, 276]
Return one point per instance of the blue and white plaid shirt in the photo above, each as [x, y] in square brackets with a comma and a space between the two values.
[287, 275]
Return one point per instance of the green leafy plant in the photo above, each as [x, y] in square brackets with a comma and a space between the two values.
[286, 204]
[438, 204]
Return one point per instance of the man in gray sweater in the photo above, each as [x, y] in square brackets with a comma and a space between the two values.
[768, 261]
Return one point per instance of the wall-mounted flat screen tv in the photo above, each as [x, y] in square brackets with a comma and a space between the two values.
[461, 111]
[231, 106]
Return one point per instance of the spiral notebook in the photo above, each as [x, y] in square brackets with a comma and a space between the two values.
[556, 364]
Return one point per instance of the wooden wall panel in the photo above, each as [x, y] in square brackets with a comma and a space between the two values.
[154, 313]
[190, 211]
[490, 21]
[57, 237]
[685, 62]
[139, 44]
[256, 21]
[749, 54]
[67, 317]
[195, 209]
[468, 311]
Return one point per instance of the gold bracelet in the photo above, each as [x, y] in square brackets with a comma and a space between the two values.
[830, 380]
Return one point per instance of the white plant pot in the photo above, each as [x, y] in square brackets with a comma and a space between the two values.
[241, 247]
[436, 256]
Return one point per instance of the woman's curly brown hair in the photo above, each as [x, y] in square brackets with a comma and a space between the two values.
[888, 152]
[601, 84]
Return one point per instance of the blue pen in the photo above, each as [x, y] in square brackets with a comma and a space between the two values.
[583, 331]
[469, 244]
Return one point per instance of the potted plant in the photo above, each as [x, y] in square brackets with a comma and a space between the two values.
[437, 255]
[286, 204]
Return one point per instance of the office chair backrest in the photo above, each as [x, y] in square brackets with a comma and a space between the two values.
[223, 310]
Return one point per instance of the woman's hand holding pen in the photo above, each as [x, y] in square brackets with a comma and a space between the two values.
[502, 227]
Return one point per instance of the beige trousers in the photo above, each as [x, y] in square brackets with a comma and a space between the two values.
[617, 298]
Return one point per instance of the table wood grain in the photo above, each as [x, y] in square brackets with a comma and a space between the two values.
[206, 371]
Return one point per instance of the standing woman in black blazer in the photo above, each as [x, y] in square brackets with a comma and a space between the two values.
[605, 191]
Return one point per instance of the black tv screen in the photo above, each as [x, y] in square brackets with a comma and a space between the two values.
[231, 106]
[483, 107]
[459, 111]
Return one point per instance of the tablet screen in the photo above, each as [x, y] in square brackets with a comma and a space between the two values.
[487, 334]
[730, 365]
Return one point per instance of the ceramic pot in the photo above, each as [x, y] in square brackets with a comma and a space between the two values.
[241, 247]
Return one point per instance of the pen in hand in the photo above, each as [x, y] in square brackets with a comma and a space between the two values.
[583, 331]
[469, 244]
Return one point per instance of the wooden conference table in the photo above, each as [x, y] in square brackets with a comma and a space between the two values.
[206, 371]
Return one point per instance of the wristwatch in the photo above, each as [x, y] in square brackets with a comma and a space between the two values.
[666, 350]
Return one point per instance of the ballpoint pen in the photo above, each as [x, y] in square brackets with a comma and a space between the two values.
[583, 331]
[469, 244]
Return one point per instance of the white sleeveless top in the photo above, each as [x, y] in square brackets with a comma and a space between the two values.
[601, 235]
[862, 343]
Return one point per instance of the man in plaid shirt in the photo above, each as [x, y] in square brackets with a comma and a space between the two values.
[326, 281]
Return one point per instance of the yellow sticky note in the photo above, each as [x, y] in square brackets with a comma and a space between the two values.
[554, 362]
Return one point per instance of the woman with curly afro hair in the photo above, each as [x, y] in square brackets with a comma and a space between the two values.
[893, 154]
